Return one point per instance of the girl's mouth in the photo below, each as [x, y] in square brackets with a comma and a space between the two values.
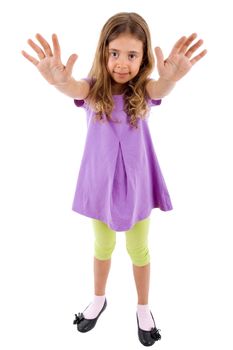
[121, 74]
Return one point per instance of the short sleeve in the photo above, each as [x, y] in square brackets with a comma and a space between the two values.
[79, 103]
[152, 103]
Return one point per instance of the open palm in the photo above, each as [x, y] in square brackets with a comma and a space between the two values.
[179, 61]
[49, 63]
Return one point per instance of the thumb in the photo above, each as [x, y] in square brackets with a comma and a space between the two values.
[159, 57]
[70, 63]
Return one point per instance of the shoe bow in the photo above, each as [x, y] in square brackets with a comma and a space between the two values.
[78, 318]
[155, 334]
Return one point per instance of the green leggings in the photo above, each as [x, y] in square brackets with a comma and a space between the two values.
[136, 241]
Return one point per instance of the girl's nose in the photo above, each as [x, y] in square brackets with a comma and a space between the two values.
[121, 64]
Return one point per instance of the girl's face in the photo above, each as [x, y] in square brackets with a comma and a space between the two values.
[125, 55]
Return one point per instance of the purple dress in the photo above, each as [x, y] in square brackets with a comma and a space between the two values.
[119, 180]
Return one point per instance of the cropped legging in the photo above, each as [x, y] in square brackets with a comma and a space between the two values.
[136, 241]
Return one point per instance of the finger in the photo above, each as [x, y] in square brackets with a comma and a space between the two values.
[56, 46]
[178, 45]
[198, 57]
[194, 48]
[70, 63]
[30, 58]
[36, 48]
[187, 42]
[45, 45]
[159, 57]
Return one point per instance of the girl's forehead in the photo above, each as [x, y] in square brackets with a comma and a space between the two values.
[126, 42]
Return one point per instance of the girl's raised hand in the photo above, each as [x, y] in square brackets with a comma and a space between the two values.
[49, 63]
[179, 62]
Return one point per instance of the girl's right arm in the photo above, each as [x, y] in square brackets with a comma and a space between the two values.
[53, 70]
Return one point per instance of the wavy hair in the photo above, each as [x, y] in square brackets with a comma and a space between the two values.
[100, 95]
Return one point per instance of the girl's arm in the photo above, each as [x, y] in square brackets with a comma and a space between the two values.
[53, 70]
[160, 88]
[172, 69]
[77, 89]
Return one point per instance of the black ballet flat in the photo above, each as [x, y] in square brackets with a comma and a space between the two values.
[148, 338]
[85, 325]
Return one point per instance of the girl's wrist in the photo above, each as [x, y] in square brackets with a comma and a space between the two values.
[165, 85]
[167, 80]
[69, 87]
[63, 84]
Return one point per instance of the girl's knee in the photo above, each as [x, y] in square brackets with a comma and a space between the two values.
[137, 243]
[103, 250]
[139, 256]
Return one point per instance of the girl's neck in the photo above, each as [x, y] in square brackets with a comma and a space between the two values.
[118, 89]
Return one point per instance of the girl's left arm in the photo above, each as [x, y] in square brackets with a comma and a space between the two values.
[178, 63]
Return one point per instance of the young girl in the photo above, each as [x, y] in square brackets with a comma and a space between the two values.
[120, 180]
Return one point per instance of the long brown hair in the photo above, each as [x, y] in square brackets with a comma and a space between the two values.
[100, 95]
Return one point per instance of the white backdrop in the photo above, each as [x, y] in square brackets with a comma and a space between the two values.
[46, 250]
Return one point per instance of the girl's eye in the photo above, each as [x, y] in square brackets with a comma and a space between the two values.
[114, 54]
[132, 56]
